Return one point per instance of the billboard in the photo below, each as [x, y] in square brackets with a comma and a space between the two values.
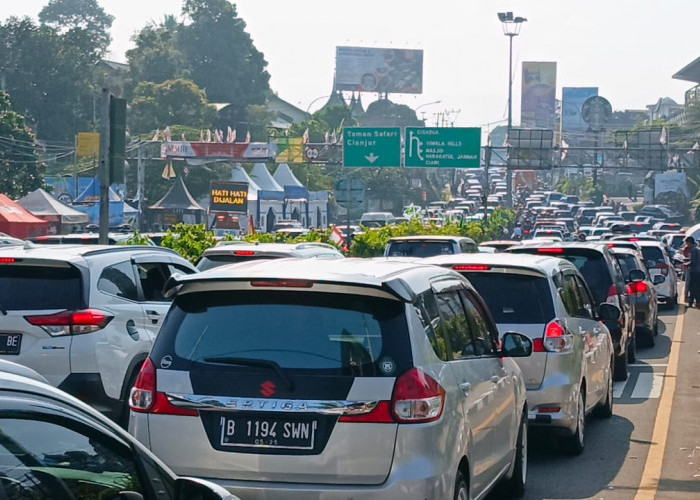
[371, 69]
[538, 93]
[572, 101]
[229, 196]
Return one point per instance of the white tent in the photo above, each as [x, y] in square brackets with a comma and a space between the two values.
[284, 176]
[261, 176]
[238, 174]
[61, 217]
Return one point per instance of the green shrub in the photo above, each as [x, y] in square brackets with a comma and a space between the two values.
[189, 240]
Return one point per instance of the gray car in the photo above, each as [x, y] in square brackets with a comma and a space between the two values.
[570, 373]
[335, 379]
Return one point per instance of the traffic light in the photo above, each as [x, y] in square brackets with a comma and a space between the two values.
[117, 139]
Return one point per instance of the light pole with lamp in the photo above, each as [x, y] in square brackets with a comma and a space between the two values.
[511, 28]
[315, 100]
[424, 105]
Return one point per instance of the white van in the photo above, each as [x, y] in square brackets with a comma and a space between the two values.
[377, 219]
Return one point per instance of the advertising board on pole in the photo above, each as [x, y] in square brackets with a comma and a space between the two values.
[538, 95]
[369, 69]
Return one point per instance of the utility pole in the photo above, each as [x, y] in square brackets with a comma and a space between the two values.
[141, 182]
[104, 169]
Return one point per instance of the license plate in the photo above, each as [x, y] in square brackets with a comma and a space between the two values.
[284, 433]
[10, 343]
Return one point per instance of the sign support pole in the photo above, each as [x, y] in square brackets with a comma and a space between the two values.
[103, 238]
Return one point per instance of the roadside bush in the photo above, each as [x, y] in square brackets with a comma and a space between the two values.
[189, 240]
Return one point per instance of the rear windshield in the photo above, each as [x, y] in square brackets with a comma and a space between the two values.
[514, 298]
[653, 254]
[211, 261]
[420, 248]
[39, 287]
[334, 334]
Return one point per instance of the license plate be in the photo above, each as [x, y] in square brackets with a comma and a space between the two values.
[10, 343]
[283, 433]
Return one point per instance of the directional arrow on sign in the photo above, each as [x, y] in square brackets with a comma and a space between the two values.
[371, 158]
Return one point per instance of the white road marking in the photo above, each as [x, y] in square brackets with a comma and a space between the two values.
[648, 386]
[619, 388]
[642, 365]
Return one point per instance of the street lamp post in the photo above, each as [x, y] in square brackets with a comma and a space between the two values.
[511, 28]
[308, 108]
[424, 105]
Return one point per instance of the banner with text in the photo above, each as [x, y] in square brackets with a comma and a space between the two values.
[228, 196]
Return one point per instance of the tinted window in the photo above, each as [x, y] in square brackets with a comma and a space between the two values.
[43, 458]
[627, 263]
[570, 295]
[335, 333]
[426, 308]
[39, 287]
[453, 329]
[480, 343]
[652, 254]
[420, 248]
[595, 271]
[153, 277]
[514, 298]
[119, 280]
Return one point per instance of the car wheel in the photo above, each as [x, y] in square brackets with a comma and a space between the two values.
[632, 350]
[606, 409]
[646, 337]
[656, 326]
[461, 487]
[573, 444]
[620, 368]
[515, 486]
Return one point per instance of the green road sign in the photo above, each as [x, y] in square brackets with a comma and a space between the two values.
[372, 147]
[443, 147]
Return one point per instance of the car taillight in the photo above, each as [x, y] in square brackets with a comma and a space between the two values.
[637, 287]
[71, 322]
[144, 398]
[556, 338]
[417, 398]
[471, 267]
[550, 250]
[282, 283]
[612, 296]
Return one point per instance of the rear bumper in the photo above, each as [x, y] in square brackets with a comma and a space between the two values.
[556, 391]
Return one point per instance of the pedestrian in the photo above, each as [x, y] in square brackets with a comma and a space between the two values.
[685, 251]
[694, 268]
[517, 233]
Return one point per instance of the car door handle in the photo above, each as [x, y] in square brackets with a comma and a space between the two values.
[466, 388]
[153, 316]
[495, 379]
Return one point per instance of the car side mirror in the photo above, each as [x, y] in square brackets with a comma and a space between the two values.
[637, 275]
[187, 488]
[609, 312]
[658, 279]
[515, 345]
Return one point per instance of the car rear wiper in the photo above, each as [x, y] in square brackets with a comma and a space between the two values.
[225, 360]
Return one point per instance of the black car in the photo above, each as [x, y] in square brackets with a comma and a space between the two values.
[607, 283]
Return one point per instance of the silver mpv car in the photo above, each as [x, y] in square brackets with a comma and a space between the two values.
[570, 373]
[356, 378]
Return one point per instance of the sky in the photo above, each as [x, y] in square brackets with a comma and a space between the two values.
[629, 49]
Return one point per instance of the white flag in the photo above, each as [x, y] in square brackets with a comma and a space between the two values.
[663, 138]
[157, 135]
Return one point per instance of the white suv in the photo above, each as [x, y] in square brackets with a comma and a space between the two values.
[85, 316]
[345, 378]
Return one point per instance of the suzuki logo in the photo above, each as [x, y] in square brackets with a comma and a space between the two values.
[267, 389]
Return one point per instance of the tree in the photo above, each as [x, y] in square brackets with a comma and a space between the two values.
[221, 55]
[173, 102]
[156, 56]
[82, 24]
[20, 169]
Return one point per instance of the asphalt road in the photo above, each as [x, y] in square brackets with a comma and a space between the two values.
[650, 448]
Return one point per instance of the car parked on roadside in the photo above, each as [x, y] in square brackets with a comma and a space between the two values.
[85, 316]
[355, 371]
[55, 446]
[429, 245]
[234, 252]
[640, 287]
[604, 278]
[570, 373]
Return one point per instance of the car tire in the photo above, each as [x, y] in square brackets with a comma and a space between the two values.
[632, 350]
[605, 410]
[461, 487]
[515, 486]
[573, 444]
[123, 419]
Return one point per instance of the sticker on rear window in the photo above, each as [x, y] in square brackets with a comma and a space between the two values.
[387, 366]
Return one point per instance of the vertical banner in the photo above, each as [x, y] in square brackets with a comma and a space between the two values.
[539, 87]
[572, 102]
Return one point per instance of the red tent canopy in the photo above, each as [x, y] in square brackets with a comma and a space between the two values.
[16, 221]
